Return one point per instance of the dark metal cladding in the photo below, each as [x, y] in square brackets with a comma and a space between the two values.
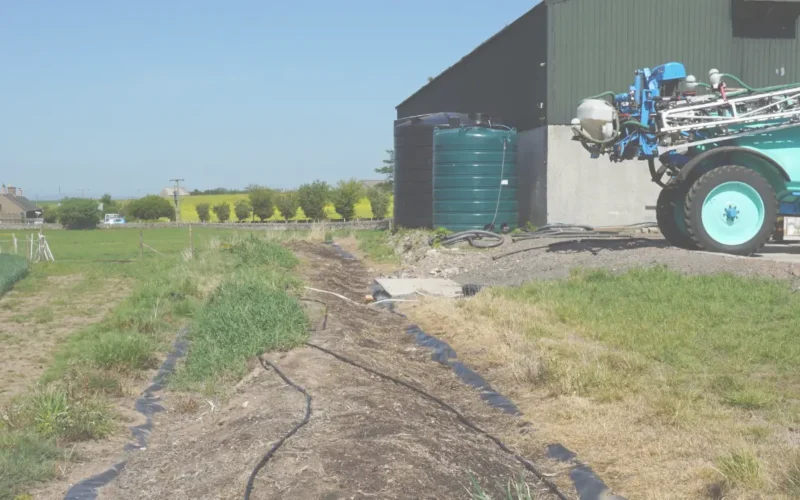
[506, 77]
[413, 166]
[596, 45]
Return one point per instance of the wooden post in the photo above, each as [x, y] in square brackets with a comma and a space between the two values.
[191, 243]
[14, 239]
[141, 245]
[30, 248]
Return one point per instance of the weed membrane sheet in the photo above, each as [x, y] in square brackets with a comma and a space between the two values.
[588, 485]
[148, 404]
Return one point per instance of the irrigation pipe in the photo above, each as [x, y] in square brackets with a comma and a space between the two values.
[383, 301]
[461, 418]
[334, 294]
[266, 458]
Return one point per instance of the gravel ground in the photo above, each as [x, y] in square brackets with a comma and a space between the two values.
[553, 259]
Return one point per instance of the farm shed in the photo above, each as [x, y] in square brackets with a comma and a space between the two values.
[532, 75]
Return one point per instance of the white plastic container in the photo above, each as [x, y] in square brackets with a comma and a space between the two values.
[594, 114]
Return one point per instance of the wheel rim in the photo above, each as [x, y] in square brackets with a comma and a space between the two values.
[733, 213]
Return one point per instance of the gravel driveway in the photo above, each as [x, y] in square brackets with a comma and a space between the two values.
[553, 259]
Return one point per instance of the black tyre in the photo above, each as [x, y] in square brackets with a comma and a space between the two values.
[731, 209]
[670, 217]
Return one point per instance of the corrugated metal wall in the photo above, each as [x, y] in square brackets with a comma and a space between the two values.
[505, 77]
[595, 45]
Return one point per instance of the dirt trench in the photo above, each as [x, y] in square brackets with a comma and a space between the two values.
[366, 438]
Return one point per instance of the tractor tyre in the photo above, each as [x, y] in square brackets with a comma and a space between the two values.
[670, 217]
[731, 209]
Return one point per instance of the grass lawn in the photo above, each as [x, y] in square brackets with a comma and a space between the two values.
[99, 318]
[670, 386]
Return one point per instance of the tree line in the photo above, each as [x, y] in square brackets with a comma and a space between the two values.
[261, 202]
[313, 197]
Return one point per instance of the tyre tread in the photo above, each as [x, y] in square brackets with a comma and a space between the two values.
[711, 176]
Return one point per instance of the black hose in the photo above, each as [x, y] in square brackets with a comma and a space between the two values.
[464, 420]
[472, 237]
[266, 458]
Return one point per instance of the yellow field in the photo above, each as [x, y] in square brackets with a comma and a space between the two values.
[189, 214]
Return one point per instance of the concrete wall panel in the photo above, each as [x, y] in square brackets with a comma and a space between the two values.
[581, 190]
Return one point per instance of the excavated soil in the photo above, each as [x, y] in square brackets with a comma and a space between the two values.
[366, 438]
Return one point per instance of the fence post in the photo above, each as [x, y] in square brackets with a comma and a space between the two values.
[14, 239]
[141, 245]
[191, 242]
[30, 248]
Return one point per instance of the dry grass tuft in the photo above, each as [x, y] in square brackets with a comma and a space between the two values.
[648, 429]
[185, 404]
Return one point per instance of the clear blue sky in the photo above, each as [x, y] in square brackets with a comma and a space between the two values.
[105, 96]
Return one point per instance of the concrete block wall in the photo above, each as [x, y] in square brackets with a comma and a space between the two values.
[595, 192]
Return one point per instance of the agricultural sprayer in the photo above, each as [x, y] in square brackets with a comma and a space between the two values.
[726, 155]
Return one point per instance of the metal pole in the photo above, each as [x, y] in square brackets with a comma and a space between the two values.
[176, 195]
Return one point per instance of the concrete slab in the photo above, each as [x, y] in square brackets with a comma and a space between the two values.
[776, 252]
[438, 287]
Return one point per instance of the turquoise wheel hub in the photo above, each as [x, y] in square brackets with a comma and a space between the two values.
[733, 213]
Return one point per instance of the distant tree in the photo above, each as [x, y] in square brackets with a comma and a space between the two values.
[109, 206]
[287, 204]
[203, 211]
[345, 197]
[387, 169]
[222, 211]
[253, 187]
[242, 209]
[79, 213]
[150, 207]
[430, 79]
[261, 199]
[50, 214]
[378, 201]
[313, 198]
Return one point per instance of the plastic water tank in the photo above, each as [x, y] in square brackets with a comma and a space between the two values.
[474, 178]
[413, 165]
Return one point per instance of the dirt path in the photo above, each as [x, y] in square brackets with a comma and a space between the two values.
[366, 438]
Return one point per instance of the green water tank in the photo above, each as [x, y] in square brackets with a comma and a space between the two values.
[474, 178]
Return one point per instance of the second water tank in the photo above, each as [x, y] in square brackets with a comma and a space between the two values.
[474, 178]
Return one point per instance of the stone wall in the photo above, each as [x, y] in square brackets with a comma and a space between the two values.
[269, 226]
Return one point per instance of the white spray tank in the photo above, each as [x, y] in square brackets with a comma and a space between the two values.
[596, 117]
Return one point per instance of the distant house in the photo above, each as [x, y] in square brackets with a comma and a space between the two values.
[169, 192]
[16, 208]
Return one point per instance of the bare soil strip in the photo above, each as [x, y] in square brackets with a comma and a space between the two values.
[30, 332]
[367, 438]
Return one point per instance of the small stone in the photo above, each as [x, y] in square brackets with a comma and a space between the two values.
[244, 405]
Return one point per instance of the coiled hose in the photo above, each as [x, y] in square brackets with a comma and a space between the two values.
[476, 238]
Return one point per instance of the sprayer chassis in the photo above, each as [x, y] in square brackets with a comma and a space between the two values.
[733, 197]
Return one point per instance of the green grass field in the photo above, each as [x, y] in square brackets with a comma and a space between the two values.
[245, 273]
[12, 269]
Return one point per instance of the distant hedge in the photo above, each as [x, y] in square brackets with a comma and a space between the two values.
[12, 269]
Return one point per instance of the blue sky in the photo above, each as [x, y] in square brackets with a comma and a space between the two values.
[119, 97]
